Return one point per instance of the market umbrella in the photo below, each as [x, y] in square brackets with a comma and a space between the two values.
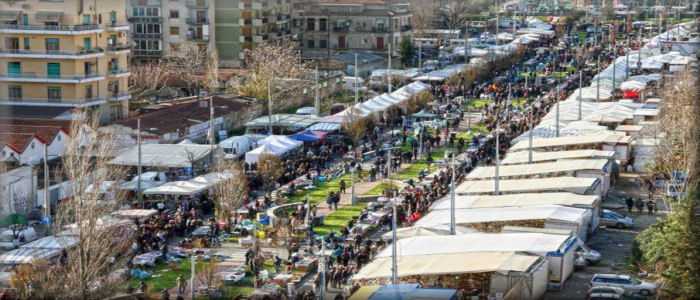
[13, 219]
[305, 136]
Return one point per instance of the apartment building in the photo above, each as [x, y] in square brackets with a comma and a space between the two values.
[330, 26]
[64, 54]
[161, 27]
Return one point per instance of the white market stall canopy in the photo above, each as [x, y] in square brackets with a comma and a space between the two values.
[443, 264]
[442, 74]
[240, 144]
[505, 214]
[413, 231]
[27, 255]
[276, 145]
[517, 200]
[292, 121]
[190, 187]
[569, 166]
[379, 103]
[53, 242]
[510, 186]
[137, 214]
[566, 141]
[522, 157]
[479, 242]
[163, 155]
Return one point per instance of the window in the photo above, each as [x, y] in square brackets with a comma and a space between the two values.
[14, 91]
[88, 91]
[152, 12]
[12, 43]
[26, 43]
[322, 25]
[310, 44]
[174, 14]
[87, 20]
[113, 17]
[139, 28]
[25, 19]
[54, 93]
[52, 44]
[53, 70]
[310, 24]
[87, 43]
[323, 44]
[174, 30]
[138, 12]
[14, 68]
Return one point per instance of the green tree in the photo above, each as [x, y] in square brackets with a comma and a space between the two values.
[407, 51]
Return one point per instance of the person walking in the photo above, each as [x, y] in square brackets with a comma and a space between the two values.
[650, 207]
[342, 186]
[180, 282]
[630, 204]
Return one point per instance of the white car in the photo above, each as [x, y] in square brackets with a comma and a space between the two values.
[631, 285]
[610, 218]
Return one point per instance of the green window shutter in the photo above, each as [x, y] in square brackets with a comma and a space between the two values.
[14, 68]
[53, 70]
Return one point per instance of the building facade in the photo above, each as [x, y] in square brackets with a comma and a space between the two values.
[161, 27]
[65, 53]
[327, 27]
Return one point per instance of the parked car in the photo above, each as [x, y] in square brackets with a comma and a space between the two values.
[591, 256]
[603, 296]
[600, 292]
[12, 239]
[610, 218]
[632, 286]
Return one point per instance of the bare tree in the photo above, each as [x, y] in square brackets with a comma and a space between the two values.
[270, 169]
[455, 13]
[100, 244]
[423, 16]
[355, 126]
[229, 194]
[276, 64]
[147, 79]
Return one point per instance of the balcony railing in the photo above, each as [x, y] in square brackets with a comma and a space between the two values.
[197, 21]
[146, 19]
[119, 47]
[117, 71]
[66, 28]
[119, 96]
[52, 52]
[406, 28]
[48, 77]
[341, 29]
[63, 101]
[142, 35]
[197, 4]
[147, 53]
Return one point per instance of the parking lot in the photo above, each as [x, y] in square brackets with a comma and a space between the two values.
[613, 244]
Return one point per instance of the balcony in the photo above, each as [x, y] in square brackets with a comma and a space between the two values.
[50, 29]
[46, 78]
[146, 19]
[148, 53]
[117, 96]
[118, 73]
[341, 29]
[119, 47]
[405, 28]
[197, 4]
[151, 36]
[52, 54]
[80, 102]
[371, 29]
[113, 27]
[197, 38]
[197, 21]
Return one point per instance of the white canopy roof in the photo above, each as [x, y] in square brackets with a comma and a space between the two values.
[504, 214]
[479, 242]
[516, 200]
[27, 255]
[189, 187]
[53, 242]
[539, 169]
[441, 264]
[413, 231]
[509, 186]
[522, 157]
[134, 213]
[276, 145]
[163, 155]
[538, 143]
[241, 143]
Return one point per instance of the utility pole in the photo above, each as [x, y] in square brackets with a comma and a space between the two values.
[453, 219]
[388, 71]
[556, 98]
[580, 94]
[317, 97]
[394, 242]
[597, 86]
[47, 182]
[211, 130]
[357, 78]
[193, 270]
[139, 167]
[420, 55]
[269, 106]
[498, 159]
[322, 267]
[529, 139]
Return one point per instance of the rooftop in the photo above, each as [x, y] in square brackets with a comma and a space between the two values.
[170, 117]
